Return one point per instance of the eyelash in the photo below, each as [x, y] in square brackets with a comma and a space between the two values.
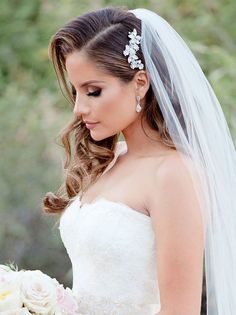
[95, 93]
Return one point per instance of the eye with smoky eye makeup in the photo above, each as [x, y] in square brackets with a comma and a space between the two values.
[95, 93]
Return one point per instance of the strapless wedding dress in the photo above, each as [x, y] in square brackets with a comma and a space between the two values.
[112, 251]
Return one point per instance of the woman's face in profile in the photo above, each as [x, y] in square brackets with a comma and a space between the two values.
[100, 97]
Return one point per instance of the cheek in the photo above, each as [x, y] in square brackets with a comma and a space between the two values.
[117, 100]
[118, 109]
[107, 106]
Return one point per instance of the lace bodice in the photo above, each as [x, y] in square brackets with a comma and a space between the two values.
[112, 251]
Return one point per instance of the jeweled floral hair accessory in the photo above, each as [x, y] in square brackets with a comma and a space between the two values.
[132, 48]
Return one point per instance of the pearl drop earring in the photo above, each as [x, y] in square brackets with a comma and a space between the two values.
[138, 106]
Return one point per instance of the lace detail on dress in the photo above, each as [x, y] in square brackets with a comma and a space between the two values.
[113, 254]
[93, 305]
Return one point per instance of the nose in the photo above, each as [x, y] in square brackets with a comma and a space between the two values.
[80, 108]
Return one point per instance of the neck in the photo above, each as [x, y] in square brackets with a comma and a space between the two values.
[141, 142]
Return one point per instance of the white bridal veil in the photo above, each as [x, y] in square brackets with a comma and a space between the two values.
[198, 128]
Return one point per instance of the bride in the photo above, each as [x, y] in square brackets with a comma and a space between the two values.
[139, 217]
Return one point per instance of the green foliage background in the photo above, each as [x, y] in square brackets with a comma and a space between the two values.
[32, 109]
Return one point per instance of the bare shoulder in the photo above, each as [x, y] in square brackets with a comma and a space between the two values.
[171, 197]
[175, 163]
[177, 223]
[172, 178]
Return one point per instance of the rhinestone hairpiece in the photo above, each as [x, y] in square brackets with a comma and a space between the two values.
[131, 49]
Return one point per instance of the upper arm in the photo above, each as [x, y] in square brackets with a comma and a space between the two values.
[177, 223]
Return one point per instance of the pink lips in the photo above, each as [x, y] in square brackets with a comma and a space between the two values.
[91, 125]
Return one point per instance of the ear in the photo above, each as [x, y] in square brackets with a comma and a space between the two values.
[141, 83]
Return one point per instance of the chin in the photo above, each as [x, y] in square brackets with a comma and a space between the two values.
[100, 137]
[97, 137]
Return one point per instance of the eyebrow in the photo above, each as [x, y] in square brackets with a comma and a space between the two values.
[90, 81]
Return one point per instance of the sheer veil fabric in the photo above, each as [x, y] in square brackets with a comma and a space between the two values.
[198, 128]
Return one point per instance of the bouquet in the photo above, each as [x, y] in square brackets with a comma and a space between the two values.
[27, 292]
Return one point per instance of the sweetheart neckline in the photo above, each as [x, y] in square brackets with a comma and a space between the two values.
[87, 204]
[121, 149]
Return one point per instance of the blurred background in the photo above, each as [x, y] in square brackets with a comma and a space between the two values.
[32, 110]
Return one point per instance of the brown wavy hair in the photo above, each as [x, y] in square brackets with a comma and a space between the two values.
[86, 158]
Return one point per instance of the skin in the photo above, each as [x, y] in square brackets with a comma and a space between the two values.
[113, 114]
[168, 195]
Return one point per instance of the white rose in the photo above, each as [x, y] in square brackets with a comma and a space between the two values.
[9, 291]
[38, 292]
[19, 311]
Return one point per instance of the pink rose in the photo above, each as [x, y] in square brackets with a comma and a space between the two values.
[66, 303]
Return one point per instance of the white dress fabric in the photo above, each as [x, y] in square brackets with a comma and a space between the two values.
[112, 251]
